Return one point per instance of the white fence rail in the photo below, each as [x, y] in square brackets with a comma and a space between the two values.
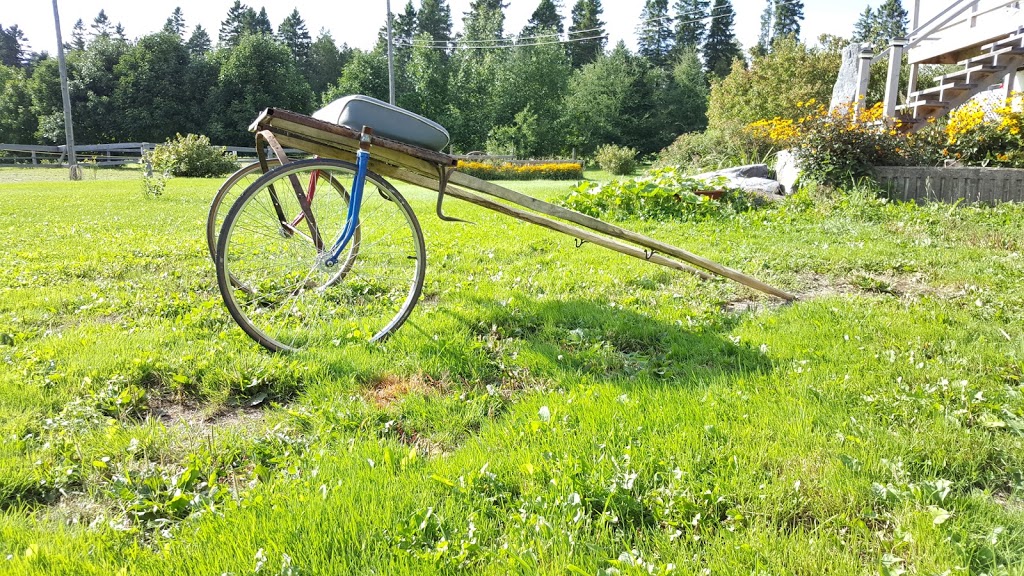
[101, 155]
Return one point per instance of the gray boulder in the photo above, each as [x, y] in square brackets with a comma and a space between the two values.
[787, 171]
[752, 178]
[845, 90]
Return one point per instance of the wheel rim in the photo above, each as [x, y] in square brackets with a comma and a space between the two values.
[283, 296]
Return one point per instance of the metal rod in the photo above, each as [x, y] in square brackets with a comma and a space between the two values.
[391, 59]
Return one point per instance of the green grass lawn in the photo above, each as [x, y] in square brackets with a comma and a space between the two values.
[546, 409]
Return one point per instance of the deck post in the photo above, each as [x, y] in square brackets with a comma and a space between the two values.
[863, 78]
[915, 21]
[892, 85]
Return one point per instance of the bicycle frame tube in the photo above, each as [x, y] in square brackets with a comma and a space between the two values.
[355, 200]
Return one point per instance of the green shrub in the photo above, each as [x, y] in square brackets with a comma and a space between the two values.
[191, 156]
[714, 149]
[618, 160]
[664, 194]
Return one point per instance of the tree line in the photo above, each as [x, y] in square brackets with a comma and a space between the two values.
[542, 90]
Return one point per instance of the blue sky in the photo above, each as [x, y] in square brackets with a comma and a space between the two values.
[356, 21]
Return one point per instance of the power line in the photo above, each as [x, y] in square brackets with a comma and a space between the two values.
[511, 42]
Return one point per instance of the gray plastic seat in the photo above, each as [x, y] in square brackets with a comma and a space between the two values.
[386, 120]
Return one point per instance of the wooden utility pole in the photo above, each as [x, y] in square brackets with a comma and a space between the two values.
[390, 55]
[75, 171]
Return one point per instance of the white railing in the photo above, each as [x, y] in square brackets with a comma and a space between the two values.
[946, 19]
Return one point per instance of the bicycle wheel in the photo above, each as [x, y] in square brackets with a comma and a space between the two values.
[285, 297]
[226, 195]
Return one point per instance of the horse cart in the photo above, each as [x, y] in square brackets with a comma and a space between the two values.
[326, 249]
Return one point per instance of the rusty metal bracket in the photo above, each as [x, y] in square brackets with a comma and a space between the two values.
[580, 242]
[443, 174]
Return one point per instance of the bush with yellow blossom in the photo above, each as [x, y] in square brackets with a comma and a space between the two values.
[975, 138]
[841, 146]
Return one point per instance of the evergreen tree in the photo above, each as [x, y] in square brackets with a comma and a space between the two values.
[544, 19]
[891, 21]
[721, 48]
[78, 36]
[788, 16]
[100, 25]
[233, 26]
[435, 19]
[199, 42]
[293, 33]
[691, 24]
[877, 27]
[176, 23]
[485, 20]
[586, 23]
[257, 23]
[404, 28]
[864, 28]
[13, 47]
[656, 32]
[119, 33]
[764, 39]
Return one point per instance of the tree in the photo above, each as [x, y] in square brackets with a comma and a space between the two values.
[721, 48]
[151, 100]
[244, 88]
[891, 21]
[485, 20]
[293, 33]
[532, 82]
[12, 47]
[435, 19]
[404, 28]
[366, 73]
[587, 36]
[257, 23]
[119, 33]
[326, 63]
[788, 16]
[545, 18]
[18, 124]
[691, 24]
[773, 85]
[656, 34]
[878, 27]
[100, 25]
[199, 42]
[690, 93]
[176, 23]
[615, 100]
[233, 26]
[78, 36]
[764, 39]
[427, 72]
[864, 28]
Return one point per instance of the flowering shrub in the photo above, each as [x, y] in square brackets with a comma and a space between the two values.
[663, 194]
[619, 160]
[510, 171]
[973, 139]
[841, 146]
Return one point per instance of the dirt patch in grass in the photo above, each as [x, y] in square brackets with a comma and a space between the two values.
[194, 416]
[389, 388]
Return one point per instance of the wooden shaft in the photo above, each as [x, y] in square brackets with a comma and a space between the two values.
[542, 221]
[596, 225]
[546, 208]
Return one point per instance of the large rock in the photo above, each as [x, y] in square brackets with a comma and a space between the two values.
[787, 171]
[752, 178]
[845, 90]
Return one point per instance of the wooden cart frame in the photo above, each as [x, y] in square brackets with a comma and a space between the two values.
[336, 146]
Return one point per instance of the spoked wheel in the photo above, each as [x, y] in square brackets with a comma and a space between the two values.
[226, 195]
[271, 270]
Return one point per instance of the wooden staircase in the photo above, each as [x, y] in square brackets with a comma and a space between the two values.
[979, 73]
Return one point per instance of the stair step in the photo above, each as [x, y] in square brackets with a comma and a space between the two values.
[1008, 42]
[921, 110]
[994, 58]
[972, 74]
[940, 92]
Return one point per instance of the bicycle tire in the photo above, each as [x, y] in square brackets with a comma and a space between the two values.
[285, 298]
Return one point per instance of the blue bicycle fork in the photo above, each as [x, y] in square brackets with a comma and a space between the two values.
[355, 198]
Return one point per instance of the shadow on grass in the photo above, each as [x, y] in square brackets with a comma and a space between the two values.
[576, 337]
